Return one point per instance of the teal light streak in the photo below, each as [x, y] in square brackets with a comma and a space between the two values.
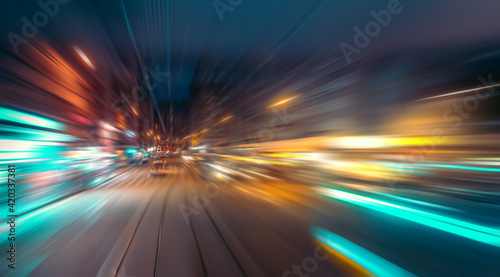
[465, 229]
[28, 119]
[358, 254]
[412, 200]
[423, 167]
[475, 168]
[34, 135]
[131, 150]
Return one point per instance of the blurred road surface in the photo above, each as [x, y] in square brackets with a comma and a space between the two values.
[168, 220]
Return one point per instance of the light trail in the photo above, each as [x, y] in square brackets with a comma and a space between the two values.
[366, 259]
[457, 92]
[458, 227]
[29, 119]
[84, 57]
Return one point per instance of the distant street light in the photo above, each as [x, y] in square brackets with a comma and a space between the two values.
[284, 101]
[226, 118]
[84, 57]
[135, 111]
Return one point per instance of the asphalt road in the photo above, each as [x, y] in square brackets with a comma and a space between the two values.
[178, 222]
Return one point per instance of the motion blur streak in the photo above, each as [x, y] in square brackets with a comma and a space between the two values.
[454, 226]
[361, 256]
[192, 138]
[25, 118]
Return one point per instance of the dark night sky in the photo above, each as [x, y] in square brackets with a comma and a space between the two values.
[175, 34]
